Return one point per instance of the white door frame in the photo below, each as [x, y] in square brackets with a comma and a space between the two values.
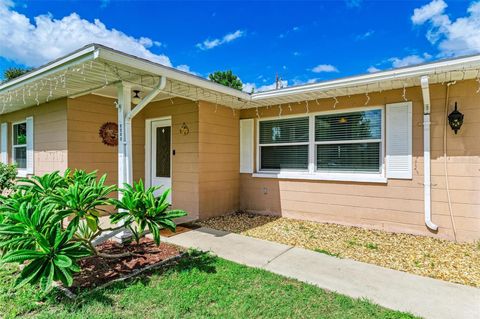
[148, 149]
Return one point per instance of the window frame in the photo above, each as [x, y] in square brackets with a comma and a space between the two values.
[312, 173]
[21, 172]
[259, 146]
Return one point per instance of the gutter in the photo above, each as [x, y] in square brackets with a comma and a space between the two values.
[366, 79]
[128, 125]
[427, 184]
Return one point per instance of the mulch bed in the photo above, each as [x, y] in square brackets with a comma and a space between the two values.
[98, 271]
[425, 256]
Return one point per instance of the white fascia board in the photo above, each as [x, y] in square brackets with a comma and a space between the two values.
[81, 56]
[408, 72]
[152, 67]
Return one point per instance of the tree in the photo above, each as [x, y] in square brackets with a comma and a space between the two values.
[12, 73]
[226, 78]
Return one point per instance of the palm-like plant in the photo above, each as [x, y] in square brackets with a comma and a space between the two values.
[52, 221]
[139, 209]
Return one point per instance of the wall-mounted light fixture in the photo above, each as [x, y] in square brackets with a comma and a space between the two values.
[455, 119]
[136, 97]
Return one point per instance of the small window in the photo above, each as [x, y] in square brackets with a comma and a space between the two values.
[349, 142]
[284, 144]
[19, 145]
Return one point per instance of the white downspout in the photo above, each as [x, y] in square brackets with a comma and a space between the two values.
[426, 154]
[128, 126]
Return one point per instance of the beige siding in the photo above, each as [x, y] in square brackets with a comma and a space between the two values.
[185, 161]
[86, 151]
[397, 205]
[50, 134]
[218, 160]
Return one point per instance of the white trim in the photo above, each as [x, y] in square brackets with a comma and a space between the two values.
[148, 148]
[363, 80]
[392, 172]
[349, 177]
[80, 56]
[311, 172]
[4, 142]
[30, 145]
[247, 145]
[171, 73]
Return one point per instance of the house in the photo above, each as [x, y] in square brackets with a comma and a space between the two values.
[373, 150]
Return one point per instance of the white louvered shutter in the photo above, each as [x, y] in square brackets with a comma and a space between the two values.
[4, 143]
[246, 146]
[30, 137]
[399, 140]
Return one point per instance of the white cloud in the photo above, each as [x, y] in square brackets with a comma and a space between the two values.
[365, 35]
[186, 68]
[409, 60]
[428, 11]
[324, 68]
[229, 37]
[373, 69]
[458, 37]
[47, 38]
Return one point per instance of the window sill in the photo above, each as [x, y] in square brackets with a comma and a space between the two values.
[21, 173]
[360, 178]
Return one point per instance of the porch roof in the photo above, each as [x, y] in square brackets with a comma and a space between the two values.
[96, 69]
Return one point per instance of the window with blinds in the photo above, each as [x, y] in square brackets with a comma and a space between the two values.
[283, 144]
[349, 142]
[340, 143]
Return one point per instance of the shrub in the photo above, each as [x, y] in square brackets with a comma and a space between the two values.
[51, 222]
[8, 173]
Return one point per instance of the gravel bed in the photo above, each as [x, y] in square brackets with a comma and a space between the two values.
[425, 256]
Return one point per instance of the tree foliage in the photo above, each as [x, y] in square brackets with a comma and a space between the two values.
[226, 78]
[52, 221]
[8, 173]
[12, 73]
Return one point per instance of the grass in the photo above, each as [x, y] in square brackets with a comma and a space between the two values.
[326, 252]
[201, 286]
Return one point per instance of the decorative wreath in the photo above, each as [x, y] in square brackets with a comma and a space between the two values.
[108, 132]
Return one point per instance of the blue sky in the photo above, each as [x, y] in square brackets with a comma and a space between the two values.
[301, 41]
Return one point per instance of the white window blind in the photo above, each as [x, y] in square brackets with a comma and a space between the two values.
[283, 144]
[399, 140]
[4, 143]
[246, 145]
[19, 146]
[349, 142]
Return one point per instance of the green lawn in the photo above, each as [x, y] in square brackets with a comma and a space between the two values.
[201, 286]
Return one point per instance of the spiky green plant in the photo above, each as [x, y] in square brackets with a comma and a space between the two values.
[140, 209]
[51, 221]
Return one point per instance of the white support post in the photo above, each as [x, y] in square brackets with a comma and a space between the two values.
[124, 106]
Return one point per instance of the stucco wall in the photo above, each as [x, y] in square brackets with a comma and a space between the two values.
[218, 160]
[50, 134]
[397, 205]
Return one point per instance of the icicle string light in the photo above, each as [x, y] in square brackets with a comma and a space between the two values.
[368, 98]
[279, 110]
[404, 94]
[336, 102]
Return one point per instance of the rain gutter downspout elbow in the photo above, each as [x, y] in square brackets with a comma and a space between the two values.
[128, 124]
[427, 184]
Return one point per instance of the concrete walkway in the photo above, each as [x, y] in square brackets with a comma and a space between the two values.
[422, 296]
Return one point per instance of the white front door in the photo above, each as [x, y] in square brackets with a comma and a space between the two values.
[161, 155]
